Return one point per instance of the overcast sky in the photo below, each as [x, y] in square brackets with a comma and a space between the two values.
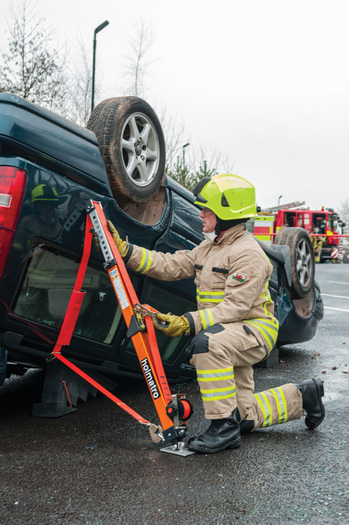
[263, 83]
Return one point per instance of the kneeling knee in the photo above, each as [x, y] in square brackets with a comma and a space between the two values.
[199, 344]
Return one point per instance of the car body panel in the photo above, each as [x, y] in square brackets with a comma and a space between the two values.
[33, 133]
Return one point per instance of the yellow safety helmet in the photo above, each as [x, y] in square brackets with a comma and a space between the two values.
[230, 197]
[46, 194]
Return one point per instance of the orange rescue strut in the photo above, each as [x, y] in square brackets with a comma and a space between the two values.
[173, 410]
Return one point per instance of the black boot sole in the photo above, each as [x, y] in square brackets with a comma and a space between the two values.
[320, 391]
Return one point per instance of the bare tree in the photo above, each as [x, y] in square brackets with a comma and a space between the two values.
[79, 106]
[215, 162]
[174, 134]
[32, 68]
[136, 67]
[196, 168]
[198, 164]
[137, 62]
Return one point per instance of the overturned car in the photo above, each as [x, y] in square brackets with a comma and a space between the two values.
[49, 169]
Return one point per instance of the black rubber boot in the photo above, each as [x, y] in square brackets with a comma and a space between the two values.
[312, 391]
[246, 426]
[222, 433]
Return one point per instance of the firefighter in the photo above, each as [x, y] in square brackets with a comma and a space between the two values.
[234, 326]
[317, 245]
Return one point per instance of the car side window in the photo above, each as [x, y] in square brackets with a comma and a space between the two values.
[46, 290]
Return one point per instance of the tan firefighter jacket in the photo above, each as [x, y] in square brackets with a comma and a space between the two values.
[231, 278]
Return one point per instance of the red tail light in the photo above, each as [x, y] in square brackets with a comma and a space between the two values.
[12, 184]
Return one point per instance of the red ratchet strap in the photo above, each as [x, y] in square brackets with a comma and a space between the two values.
[69, 322]
[145, 342]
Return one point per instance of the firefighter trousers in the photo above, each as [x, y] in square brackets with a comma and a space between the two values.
[223, 356]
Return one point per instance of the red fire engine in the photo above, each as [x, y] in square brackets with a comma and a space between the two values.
[324, 226]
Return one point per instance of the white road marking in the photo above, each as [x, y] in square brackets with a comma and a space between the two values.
[338, 282]
[337, 296]
[337, 309]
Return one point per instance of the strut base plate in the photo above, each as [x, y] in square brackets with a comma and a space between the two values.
[179, 450]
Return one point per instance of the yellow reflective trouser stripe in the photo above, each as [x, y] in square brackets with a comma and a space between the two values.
[280, 403]
[213, 394]
[265, 407]
[269, 330]
[145, 262]
[206, 317]
[209, 297]
[217, 374]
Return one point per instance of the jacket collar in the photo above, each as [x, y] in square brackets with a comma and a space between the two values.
[229, 236]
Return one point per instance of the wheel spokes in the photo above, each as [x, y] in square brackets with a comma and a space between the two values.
[128, 145]
[151, 154]
[134, 131]
[143, 176]
[141, 149]
[303, 262]
[144, 135]
[131, 166]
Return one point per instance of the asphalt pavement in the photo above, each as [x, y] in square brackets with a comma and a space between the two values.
[99, 466]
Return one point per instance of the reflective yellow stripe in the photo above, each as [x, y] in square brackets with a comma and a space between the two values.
[265, 407]
[218, 393]
[218, 374]
[209, 297]
[280, 403]
[206, 317]
[269, 328]
[145, 261]
[266, 295]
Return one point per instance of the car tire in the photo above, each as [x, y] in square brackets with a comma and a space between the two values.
[281, 236]
[132, 146]
[302, 260]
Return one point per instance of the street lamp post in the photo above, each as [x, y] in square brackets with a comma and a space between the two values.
[185, 145]
[97, 30]
[279, 199]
